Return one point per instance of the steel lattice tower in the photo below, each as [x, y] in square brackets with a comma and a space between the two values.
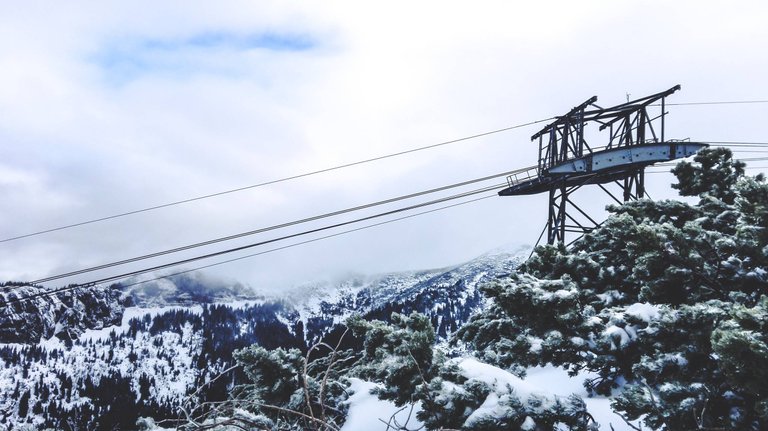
[633, 139]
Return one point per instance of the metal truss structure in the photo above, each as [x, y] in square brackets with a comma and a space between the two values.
[568, 162]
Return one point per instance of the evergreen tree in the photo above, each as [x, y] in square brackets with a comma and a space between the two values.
[290, 390]
[24, 404]
[665, 301]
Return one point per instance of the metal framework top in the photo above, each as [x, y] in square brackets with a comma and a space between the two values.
[613, 113]
[636, 140]
[629, 123]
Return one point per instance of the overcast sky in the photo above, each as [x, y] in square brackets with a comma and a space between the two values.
[107, 108]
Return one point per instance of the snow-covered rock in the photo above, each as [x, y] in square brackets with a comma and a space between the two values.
[65, 314]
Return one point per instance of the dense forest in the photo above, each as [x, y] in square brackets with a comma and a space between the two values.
[147, 370]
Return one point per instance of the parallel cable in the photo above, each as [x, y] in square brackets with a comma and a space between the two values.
[287, 224]
[274, 227]
[747, 168]
[346, 165]
[134, 273]
[727, 102]
[295, 222]
[736, 143]
[294, 235]
[266, 183]
[303, 242]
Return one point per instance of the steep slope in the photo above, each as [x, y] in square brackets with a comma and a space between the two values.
[448, 296]
[159, 356]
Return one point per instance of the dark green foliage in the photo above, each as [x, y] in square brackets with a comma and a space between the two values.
[401, 358]
[400, 355]
[276, 374]
[665, 301]
[289, 390]
[741, 343]
[514, 333]
[24, 404]
[714, 174]
[120, 377]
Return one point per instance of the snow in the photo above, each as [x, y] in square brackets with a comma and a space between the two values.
[618, 336]
[610, 296]
[503, 385]
[133, 313]
[528, 424]
[577, 341]
[535, 344]
[366, 411]
[495, 377]
[566, 294]
[52, 343]
[560, 383]
[489, 408]
[141, 312]
[645, 311]
[167, 357]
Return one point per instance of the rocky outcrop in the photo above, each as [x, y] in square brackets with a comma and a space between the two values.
[65, 314]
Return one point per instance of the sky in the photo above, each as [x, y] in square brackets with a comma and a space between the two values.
[111, 107]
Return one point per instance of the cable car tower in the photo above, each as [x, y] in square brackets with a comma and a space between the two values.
[635, 140]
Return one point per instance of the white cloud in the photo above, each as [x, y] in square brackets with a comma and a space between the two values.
[119, 107]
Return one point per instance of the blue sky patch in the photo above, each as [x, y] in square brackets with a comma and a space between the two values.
[130, 59]
[232, 41]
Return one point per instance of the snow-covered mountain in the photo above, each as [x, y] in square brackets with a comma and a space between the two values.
[157, 356]
[183, 289]
[448, 296]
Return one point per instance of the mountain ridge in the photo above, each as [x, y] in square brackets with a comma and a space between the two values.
[158, 356]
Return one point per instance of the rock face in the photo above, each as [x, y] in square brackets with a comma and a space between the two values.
[64, 315]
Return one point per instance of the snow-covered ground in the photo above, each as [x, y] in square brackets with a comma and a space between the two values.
[367, 412]
[557, 381]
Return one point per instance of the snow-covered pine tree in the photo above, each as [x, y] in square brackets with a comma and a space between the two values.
[666, 302]
[401, 357]
[290, 390]
[456, 393]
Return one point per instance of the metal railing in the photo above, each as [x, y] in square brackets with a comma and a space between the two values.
[520, 177]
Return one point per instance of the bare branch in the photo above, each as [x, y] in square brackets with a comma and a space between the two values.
[328, 371]
[630, 424]
[294, 412]
[305, 378]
